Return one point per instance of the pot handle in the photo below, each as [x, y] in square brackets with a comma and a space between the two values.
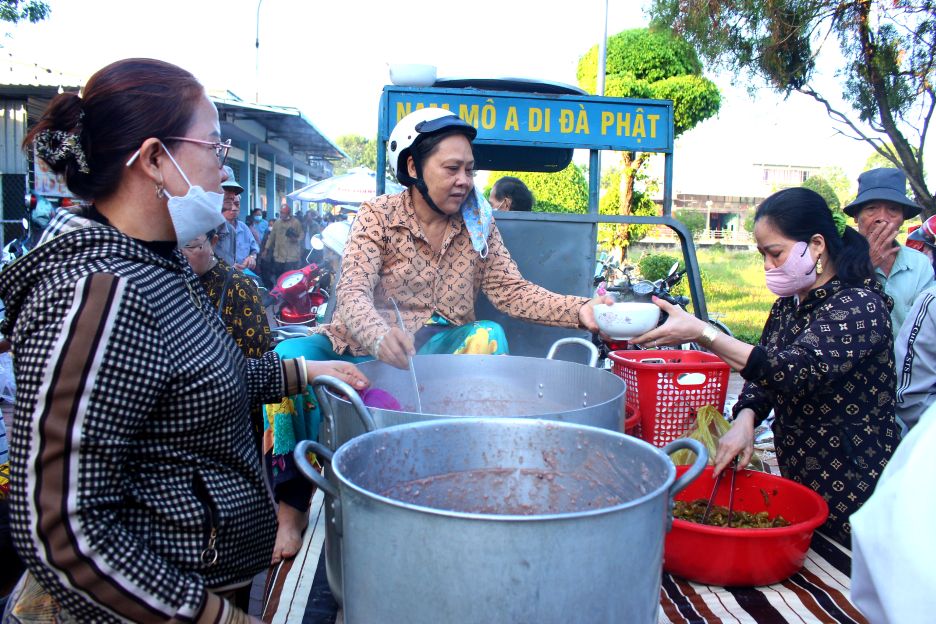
[593, 350]
[302, 463]
[322, 381]
[701, 461]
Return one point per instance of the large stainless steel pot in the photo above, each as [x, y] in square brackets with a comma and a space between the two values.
[500, 520]
[484, 385]
[458, 386]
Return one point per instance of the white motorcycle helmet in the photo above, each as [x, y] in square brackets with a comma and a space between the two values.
[416, 126]
[336, 235]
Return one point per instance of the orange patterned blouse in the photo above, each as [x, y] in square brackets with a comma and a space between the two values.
[387, 255]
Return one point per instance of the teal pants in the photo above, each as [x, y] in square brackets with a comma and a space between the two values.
[297, 417]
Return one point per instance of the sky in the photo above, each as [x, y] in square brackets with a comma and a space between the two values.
[330, 60]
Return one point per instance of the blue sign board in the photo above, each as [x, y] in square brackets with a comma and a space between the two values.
[571, 121]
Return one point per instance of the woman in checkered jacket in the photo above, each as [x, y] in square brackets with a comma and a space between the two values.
[137, 491]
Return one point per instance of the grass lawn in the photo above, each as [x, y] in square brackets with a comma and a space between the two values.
[735, 291]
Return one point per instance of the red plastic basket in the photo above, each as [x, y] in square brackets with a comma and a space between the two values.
[666, 388]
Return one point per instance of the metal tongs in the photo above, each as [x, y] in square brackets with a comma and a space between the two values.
[708, 507]
[409, 360]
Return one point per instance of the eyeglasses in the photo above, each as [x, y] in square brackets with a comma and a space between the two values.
[221, 149]
[193, 246]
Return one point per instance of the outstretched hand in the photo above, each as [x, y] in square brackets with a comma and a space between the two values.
[343, 371]
[680, 327]
[587, 312]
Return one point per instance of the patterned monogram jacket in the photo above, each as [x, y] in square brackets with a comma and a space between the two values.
[137, 487]
[826, 368]
[388, 255]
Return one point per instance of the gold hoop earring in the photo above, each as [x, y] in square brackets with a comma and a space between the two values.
[819, 266]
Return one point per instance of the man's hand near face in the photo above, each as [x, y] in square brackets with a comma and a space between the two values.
[881, 238]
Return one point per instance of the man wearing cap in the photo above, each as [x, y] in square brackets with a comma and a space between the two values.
[880, 209]
[236, 244]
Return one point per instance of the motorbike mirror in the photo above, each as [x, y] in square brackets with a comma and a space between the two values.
[316, 243]
[673, 268]
[25, 223]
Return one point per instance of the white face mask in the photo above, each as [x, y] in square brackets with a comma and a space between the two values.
[195, 213]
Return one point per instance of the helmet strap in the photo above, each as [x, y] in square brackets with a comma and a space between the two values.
[424, 191]
[420, 185]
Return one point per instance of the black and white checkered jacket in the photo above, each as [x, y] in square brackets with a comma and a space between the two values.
[136, 482]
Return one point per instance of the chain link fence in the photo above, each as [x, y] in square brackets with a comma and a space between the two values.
[13, 207]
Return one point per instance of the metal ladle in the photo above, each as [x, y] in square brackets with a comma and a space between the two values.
[409, 359]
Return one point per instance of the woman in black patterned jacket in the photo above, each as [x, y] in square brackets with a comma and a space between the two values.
[137, 492]
[824, 362]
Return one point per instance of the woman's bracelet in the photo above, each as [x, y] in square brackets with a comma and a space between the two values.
[377, 342]
[709, 334]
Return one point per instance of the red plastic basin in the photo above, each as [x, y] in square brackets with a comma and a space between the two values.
[745, 557]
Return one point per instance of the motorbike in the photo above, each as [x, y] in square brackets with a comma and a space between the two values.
[299, 296]
[300, 299]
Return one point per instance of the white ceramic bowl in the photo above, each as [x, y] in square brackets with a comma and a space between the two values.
[412, 75]
[623, 321]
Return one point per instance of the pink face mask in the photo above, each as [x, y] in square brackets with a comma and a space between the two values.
[795, 275]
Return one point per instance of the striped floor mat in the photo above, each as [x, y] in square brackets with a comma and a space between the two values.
[819, 593]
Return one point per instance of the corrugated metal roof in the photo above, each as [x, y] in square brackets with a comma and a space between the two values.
[281, 122]
[25, 77]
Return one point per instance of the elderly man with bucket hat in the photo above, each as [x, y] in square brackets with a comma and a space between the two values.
[880, 209]
[236, 244]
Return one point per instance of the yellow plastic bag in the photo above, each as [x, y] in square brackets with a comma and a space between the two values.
[709, 426]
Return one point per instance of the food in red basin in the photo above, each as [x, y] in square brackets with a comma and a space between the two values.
[745, 557]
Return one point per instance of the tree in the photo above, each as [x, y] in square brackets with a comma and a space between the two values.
[819, 184]
[843, 186]
[889, 51]
[361, 150]
[644, 63]
[694, 220]
[15, 11]
[562, 191]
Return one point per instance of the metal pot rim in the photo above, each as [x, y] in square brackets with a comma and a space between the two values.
[344, 400]
[662, 489]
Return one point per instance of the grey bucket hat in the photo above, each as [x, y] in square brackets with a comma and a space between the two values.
[884, 184]
[231, 183]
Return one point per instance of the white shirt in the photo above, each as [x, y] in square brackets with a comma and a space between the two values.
[893, 538]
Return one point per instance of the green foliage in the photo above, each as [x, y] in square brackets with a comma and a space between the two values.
[840, 183]
[749, 221]
[692, 219]
[642, 54]
[361, 150]
[735, 292]
[644, 63]
[654, 266]
[877, 160]
[562, 191]
[818, 184]
[886, 74]
[14, 11]
[609, 234]
[694, 99]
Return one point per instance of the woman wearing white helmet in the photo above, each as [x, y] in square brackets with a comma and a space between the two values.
[431, 249]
